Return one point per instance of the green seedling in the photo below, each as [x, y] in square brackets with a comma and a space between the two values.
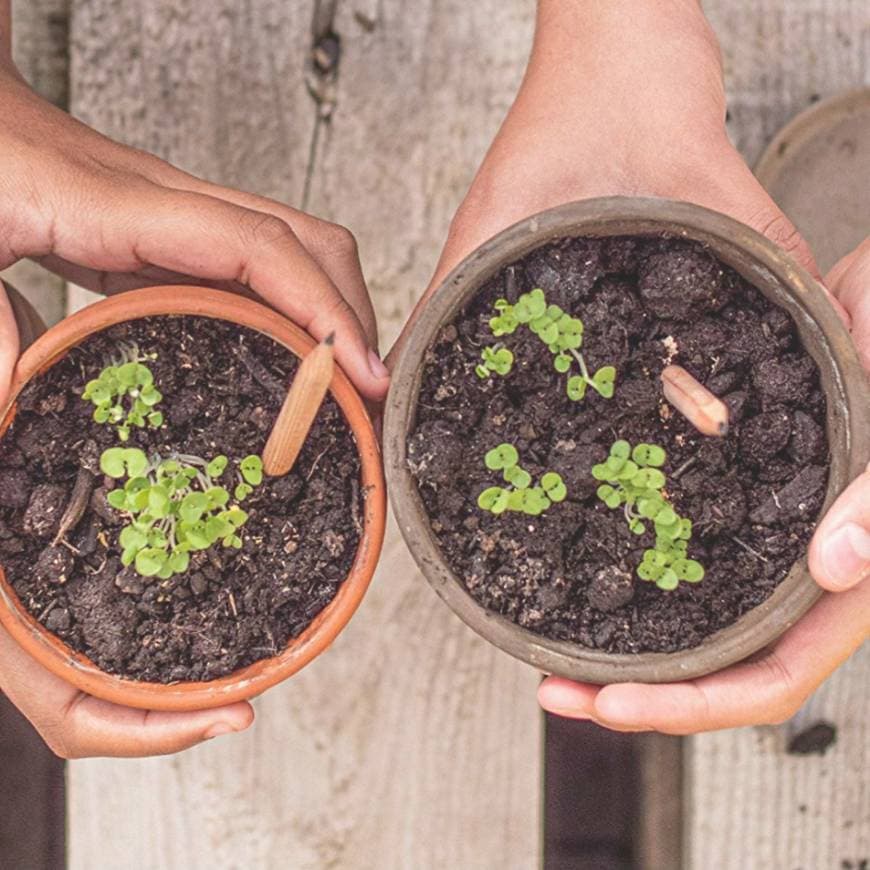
[496, 360]
[174, 506]
[250, 475]
[563, 335]
[519, 495]
[631, 478]
[124, 395]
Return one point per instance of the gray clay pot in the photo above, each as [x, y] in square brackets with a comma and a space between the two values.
[766, 267]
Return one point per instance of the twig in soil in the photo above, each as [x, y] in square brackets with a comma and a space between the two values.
[75, 510]
[299, 409]
[47, 610]
[705, 411]
[314, 464]
[259, 372]
[511, 284]
[64, 542]
[684, 467]
[233, 604]
[99, 570]
[749, 549]
[354, 506]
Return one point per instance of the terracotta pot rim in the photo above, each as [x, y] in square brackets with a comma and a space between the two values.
[766, 267]
[250, 681]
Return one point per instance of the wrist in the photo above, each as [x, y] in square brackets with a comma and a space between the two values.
[627, 70]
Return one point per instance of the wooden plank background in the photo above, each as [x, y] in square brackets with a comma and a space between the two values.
[411, 744]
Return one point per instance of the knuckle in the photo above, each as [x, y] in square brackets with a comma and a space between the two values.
[330, 238]
[780, 230]
[264, 230]
[149, 165]
[335, 305]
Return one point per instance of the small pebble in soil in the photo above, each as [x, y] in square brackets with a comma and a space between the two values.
[44, 509]
[53, 565]
[611, 588]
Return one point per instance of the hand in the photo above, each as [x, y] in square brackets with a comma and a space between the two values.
[619, 98]
[112, 218]
[772, 686]
[627, 98]
[76, 725]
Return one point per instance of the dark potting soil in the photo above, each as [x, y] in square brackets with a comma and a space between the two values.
[753, 496]
[222, 387]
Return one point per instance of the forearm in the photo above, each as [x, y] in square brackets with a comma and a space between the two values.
[622, 75]
[629, 44]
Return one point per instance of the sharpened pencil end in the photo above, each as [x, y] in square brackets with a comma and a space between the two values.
[330, 339]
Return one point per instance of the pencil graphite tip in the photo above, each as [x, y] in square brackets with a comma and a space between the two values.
[330, 339]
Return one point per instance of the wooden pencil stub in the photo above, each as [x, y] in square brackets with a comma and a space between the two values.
[705, 411]
[299, 410]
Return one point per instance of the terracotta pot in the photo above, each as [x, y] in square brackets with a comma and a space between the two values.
[763, 265]
[248, 682]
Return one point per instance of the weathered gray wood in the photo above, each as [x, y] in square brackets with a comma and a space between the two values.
[662, 812]
[782, 55]
[411, 743]
[40, 33]
[749, 803]
[422, 90]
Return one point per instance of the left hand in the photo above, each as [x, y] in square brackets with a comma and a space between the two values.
[639, 111]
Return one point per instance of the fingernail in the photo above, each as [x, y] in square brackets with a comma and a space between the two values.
[846, 556]
[218, 730]
[378, 369]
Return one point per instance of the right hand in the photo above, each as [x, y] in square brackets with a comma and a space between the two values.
[770, 687]
[111, 218]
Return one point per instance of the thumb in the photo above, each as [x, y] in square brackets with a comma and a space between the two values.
[839, 554]
[840, 551]
[95, 728]
[8, 344]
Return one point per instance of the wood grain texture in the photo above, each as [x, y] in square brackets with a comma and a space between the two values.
[749, 803]
[411, 743]
[782, 55]
[40, 46]
[422, 90]
[752, 805]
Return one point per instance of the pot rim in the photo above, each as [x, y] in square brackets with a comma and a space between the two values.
[250, 681]
[765, 266]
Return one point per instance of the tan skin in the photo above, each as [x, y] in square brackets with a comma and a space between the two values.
[626, 97]
[112, 218]
[630, 87]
